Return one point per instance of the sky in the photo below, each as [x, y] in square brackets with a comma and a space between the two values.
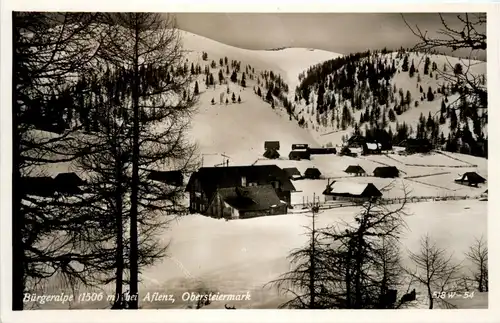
[337, 32]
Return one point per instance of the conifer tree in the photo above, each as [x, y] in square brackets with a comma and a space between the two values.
[408, 97]
[221, 77]
[412, 69]
[321, 94]
[404, 67]
[269, 95]
[243, 80]
[426, 65]
[430, 95]
[196, 89]
[234, 77]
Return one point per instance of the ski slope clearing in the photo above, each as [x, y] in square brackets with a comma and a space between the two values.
[239, 130]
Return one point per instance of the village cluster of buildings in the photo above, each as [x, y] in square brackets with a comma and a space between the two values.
[298, 151]
[248, 191]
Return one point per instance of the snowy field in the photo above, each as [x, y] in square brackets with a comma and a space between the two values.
[242, 256]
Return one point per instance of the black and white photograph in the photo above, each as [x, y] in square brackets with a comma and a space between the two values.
[281, 160]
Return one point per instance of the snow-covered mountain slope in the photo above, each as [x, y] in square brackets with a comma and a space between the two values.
[289, 62]
[239, 130]
[439, 77]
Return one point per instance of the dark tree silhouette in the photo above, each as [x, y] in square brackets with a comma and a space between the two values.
[49, 51]
[349, 266]
[131, 45]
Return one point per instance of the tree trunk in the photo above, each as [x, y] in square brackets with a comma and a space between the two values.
[431, 300]
[18, 256]
[134, 270]
[18, 276]
[348, 276]
[118, 304]
[312, 271]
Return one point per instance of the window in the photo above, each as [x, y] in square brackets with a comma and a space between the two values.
[275, 184]
[243, 181]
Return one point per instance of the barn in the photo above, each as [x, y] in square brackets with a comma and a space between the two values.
[173, 177]
[271, 154]
[356, 141]
[299, 154]
[271, 145]
[322, 151]
[386, 172]
[413, 145]
[348, 191]
[312, 173]
[345, 151]
[293, 173]
[42, 186]
[355, 170]
[45, 186]
[245, 202]
[371, 148]
[204, 183]
[470, 179]
[68, 183]
[299, 146]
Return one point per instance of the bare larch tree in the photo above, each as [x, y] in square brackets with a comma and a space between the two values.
[435, 269]
[159, 103]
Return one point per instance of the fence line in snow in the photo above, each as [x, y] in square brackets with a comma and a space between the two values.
[426, 175]
[455, 158]
[431, 185]
[469, 165]
[388, 200]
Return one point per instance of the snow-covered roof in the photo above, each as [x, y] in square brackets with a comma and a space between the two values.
[373, 146]
[300, 149]
[348, 188]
